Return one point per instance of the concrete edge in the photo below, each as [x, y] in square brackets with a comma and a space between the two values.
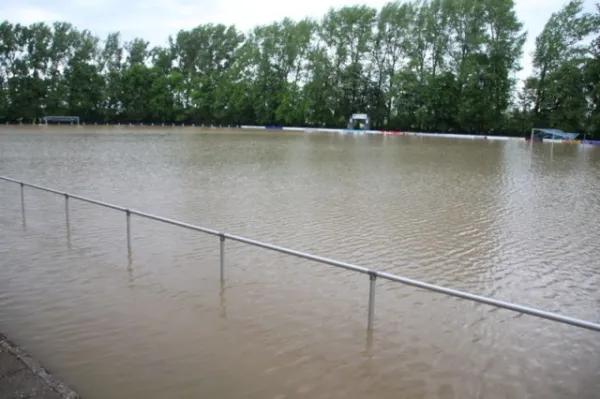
[54, 383]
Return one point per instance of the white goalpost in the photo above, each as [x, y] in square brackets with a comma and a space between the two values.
[362, 119]
[61, 119]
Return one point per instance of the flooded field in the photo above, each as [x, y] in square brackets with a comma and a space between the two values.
[502, 219]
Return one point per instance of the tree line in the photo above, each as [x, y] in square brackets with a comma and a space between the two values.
[428, 65]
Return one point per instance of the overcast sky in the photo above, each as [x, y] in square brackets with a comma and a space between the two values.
[155, 20]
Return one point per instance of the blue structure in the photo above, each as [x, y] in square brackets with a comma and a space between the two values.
[552, 134]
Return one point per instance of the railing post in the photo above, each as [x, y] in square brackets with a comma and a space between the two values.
[372, 278]
[23, 201]
[67, 207]
[67, 218]
[222, 257]
[128, 216]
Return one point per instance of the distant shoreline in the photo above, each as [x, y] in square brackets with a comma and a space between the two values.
[306, 129]
[464, 136]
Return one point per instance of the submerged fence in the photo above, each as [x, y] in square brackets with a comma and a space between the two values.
[372, 274]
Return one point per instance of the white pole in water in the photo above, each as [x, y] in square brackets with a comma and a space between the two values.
[67, 219]
[23, 203]
[67, 210]
[222, 257]
[128, 218]
[372, 278]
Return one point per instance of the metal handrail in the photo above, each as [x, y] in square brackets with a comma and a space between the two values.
[373, 274]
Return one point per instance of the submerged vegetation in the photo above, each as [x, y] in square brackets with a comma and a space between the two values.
[437, 65]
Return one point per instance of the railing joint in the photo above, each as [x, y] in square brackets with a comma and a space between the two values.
[222, 236]
[372, 275]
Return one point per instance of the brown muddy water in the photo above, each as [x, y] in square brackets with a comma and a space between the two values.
[503, 219]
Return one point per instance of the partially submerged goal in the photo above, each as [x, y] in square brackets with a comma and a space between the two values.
[61, 119]
[361, 119]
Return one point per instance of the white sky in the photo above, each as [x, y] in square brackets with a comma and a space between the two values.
[155, 20]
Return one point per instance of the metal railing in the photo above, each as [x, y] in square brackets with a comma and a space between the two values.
[372, 274]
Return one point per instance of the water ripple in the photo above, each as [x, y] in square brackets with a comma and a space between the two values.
[492, 218]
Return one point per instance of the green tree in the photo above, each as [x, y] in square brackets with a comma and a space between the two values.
[559, 51]
[437, 65]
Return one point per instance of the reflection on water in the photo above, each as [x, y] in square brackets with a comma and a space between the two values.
[506, 219]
